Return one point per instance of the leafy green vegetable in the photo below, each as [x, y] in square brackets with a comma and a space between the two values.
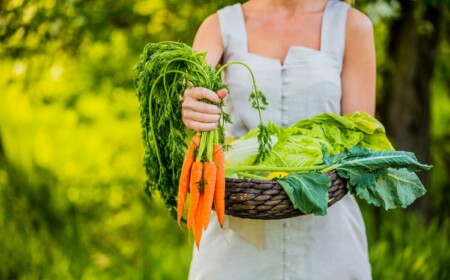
[302, 143]
[381, 178]
[243, 151]
[345, 132]
[358, 158]
[396, 187]
[354, 145]
[308, 192]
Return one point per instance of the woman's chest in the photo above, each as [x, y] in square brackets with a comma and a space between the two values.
[306, 85]
[273, 37]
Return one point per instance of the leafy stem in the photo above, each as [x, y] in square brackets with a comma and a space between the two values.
[328, 169]
[251, 176]
[243, 168]
[259, 101]
[203, 143]
[209, 148]
[198, 69]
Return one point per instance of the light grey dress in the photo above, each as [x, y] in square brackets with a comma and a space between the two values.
[307, 84]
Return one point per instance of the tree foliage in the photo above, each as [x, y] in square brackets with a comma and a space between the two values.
[72, 204]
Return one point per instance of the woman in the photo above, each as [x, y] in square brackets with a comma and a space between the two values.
[308, 57]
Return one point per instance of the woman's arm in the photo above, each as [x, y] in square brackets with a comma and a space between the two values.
[198, 115]
[359, 69]
[209, 38]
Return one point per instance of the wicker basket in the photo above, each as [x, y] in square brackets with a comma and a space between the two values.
[266, 200]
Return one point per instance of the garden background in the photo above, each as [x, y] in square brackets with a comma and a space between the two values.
[72, 201]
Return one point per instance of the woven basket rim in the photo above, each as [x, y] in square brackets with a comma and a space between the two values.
[266, 199]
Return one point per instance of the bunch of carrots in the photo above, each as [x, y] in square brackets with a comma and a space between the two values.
[203, 176]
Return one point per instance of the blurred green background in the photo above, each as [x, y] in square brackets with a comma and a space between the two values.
[72, 204]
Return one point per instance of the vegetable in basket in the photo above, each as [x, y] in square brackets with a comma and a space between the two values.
[354, 145]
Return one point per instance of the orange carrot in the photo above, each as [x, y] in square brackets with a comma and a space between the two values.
[185, 175]
[209, 177]
[198, 223]
[219, 193]
[195, 183]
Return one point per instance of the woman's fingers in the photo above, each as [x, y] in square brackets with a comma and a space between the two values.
[199, 106]
[198, 115]
[200, 93]
[200, 126]
[201, 117]
[222, 93]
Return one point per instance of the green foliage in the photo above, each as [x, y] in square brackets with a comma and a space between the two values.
[440, 102]
[302, 143]
[72, 205]
[164, 71]
[307, 191]
[71, 174]
[384, 178]
[402, 246]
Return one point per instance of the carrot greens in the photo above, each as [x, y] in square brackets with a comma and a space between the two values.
[163, 72]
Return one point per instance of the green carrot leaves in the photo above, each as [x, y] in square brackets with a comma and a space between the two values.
[259, 102]
[163, 72]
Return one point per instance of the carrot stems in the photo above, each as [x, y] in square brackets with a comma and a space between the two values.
[201, 149]
[209, 147]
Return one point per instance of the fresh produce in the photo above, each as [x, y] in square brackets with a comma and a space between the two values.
[354, 145]
[219, 193]
[164, 71]
[180, 162]
[185, 175]
[194, 188]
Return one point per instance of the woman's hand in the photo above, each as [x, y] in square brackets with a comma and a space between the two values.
[198, 115]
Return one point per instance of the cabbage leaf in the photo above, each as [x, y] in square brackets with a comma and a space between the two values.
[308, 191]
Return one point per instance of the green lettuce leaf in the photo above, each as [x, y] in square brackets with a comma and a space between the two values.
[308, 192]
[376, 142]
[344, 132]
[365, 122]
[302, 143]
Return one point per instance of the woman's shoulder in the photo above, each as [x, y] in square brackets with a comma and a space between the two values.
[211, 22]
[208, 38]
[359, 32]
[211, 33]
[358, 23]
